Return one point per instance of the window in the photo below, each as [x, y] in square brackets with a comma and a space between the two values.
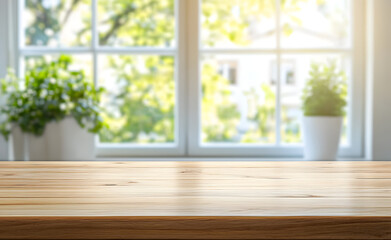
[128, 47]
[200, 77]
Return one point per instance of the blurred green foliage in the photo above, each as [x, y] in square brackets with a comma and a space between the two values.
[220, 114]
[142, 109]
[264, 116]
[50, 17]
[136, 23]
[230, 21]
[326, 91]
[50, 92]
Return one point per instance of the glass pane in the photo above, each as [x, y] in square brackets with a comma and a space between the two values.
[140, 98]
[136, 23]
[237, 23]
[315, 23]
[57, 23]
[238, 99]
[295, 71]
[79, 62]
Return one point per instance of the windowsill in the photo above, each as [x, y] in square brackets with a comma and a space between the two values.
[219, 159]
[206, 159]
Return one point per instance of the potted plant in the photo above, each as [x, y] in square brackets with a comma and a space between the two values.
[48, 104]
[324, 101]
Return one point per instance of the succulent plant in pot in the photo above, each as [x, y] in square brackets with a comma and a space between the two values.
[324, 102]
[51, 92]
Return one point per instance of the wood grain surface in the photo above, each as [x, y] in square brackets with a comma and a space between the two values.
[195, 200]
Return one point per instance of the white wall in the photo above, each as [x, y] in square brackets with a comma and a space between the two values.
[3, 62]
[378, 137]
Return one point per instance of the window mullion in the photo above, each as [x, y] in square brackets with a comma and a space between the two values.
[94, 47]
[21, 34]
[181, 76]
[278, 85]
[193, 77]
[95, 43]
[251, 51]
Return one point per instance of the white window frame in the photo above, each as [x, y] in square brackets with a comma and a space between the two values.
[278, 150]
[118, 150]
[4, 61]
[188, 88]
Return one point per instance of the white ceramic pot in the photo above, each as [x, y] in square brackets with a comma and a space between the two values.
[321, 137]
[3, 143]
[3, 149]
[61, 141]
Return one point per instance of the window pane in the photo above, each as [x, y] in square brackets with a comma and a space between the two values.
[79, 62]
[315, 23]
[140, 98]
[294, 75]
[238, 99]
[236, 23]
[136, 23]
[57, 23]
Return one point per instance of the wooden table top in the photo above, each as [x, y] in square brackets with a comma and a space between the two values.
[70, 194]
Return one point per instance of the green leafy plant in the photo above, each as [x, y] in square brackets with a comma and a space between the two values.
[50, 92]
[325, 92]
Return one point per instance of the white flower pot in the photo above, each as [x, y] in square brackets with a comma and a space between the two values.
[61, 141]
[3, 149]
[321, 137]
